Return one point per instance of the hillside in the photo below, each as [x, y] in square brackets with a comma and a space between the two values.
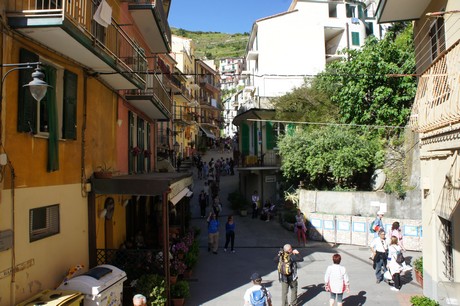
[215, 45]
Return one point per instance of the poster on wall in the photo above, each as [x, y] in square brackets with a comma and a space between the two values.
[328, 224]
[359, 227]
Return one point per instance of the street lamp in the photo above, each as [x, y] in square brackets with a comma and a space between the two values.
[176, 147]
[37, 86]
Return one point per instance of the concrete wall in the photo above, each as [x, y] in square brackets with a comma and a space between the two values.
[347, 229]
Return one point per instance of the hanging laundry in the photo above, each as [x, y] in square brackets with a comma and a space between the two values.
[103, 14]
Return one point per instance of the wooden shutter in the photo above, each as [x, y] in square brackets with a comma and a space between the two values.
[244, 139]
[27, 105]
[269, 136]
[69, 125]
[130, 142]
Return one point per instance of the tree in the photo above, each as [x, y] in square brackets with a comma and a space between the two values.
[369, 86]
[330, 157]
[306, 103]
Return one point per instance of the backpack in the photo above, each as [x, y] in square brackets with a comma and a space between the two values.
[284, 264]
[259, 297]
[373, 228]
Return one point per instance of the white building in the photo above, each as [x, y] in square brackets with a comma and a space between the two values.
[230, 72]
[286, 48]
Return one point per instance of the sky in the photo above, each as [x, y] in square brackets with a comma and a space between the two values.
[224, 16]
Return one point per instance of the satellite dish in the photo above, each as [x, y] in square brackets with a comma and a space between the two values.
[378, 179]
[109, 205]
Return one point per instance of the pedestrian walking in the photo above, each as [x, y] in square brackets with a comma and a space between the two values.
[202, 202]
[287, 271]
[395, 231]
[213, 233]
[139, 300]
[336, 281]
[379, 249]
[230, 234]
[300, 228]
[216, 206]
[257, 294]
[206, 192]
[393, 265]
[255, 199]
[377, 224]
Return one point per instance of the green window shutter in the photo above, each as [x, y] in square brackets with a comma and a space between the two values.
[148, 147]
[255, 138]
[130, 142]
[269, 136]
[48, 111]
[27, 105]
[244, 139]
[290, 129]
[140, 145]
[69, 124]
[355, 38]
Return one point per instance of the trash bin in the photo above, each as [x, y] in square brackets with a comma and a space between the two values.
[101, 286]
[55, 298]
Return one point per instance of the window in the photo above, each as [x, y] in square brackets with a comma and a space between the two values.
[445, 235]
[437, 36]
[350, 11]
[43, 222]
[57, 111]
[139, 145]
[333, 10]
[355, 38]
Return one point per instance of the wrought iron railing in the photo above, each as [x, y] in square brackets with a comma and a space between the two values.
[134, 262]
[156, 88]
[113, 39]
[436, 102]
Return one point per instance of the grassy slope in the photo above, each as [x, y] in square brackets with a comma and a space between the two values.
[216, 45]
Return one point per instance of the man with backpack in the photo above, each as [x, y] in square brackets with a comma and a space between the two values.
[257, 294]
[287, 271]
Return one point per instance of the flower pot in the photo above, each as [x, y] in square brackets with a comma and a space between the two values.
[172, 279]
[180, 255]
[419, 277]
[102, 174]
[178, 301]
[188, 273]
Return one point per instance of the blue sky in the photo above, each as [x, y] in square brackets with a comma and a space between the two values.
[225, 16]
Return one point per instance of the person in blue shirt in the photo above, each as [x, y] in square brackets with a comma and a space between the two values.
[230, 234]
[213, 233]
[378, 223]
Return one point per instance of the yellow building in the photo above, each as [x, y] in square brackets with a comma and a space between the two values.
[103, 108]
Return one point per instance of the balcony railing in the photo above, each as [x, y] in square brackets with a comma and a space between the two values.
[135, 262]
[268, 159]
[113, 39]
[436, 102]
[156, 89]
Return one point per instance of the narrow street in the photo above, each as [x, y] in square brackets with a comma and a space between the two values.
[221, 280]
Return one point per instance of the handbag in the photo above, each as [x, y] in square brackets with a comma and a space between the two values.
[400, 258]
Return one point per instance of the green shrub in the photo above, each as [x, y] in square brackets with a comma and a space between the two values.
[237, 201]
[289, 216]
[152, 286]
[418, 264]
[418, 300]
[181, 289]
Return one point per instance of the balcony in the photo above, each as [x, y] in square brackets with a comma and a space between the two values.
[436, 101]
[68, 28]
[152, 22]
[154, 101]
[270, 159]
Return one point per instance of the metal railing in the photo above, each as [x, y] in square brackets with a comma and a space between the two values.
[135, 262]
[436, 101]
[113, 39]
[155, 88]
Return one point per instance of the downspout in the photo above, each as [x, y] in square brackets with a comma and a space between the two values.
[13, 247]
[166, 241]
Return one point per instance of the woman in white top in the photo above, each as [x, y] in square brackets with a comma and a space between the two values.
[336, 280]
[395, 268]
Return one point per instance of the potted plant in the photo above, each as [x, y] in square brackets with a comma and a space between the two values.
[153, 287]
[103, 171]
[177, 267]
[179, 249]
[179, 292]
[418, 268]
[418, 300]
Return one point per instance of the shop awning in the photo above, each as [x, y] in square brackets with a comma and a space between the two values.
[184, 192]
[207, 132]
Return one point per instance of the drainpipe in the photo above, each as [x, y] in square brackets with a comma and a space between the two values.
[13, 247]
[166, 241]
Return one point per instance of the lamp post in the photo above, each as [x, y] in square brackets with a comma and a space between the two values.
[38, 88]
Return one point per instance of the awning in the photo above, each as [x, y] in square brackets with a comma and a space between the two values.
[207, 132]
[180, 195]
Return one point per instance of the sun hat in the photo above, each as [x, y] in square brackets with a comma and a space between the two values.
[380, 212]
